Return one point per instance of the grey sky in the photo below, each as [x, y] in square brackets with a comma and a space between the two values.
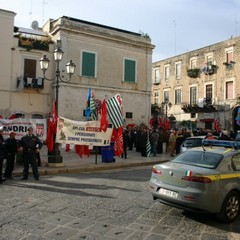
[175, 26]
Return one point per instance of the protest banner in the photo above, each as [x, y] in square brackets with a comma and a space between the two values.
[82, 133]
[20, 126]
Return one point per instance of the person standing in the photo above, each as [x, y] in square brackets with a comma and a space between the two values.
[11, 149]
[30, 145]
[154, 136]
[125, 143]
[172, 143]
[2, 154]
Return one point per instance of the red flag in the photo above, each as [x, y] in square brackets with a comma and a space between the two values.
[13, 116]
[67, 149]
[49, 139]
[151, 122]
[54, 118]
[82, 150]
[104, 117]
[118, 144]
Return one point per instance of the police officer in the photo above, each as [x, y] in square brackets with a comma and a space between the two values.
[30, 145]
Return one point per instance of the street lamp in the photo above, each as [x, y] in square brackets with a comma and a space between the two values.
[54, 156]
[167, 105]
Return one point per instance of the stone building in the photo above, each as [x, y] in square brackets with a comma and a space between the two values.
[108, 60]
[202, 86]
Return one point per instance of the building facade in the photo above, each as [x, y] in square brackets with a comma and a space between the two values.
[202, 85]
[108, 60]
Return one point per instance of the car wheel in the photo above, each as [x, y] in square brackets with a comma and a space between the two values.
[230, 208]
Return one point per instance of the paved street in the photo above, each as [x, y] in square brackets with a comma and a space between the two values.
[113, 204]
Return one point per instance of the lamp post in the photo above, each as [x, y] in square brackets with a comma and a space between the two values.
[55, 157]
[167, 105]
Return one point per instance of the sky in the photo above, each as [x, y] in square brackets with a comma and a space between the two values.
[174, 26]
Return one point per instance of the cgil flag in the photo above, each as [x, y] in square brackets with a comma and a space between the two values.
[93, 109]
[148, 146]
[114, 110]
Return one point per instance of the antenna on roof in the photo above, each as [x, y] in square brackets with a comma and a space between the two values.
[43, 2]
[30, 13]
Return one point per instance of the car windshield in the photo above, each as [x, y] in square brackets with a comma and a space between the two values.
[199, 158]
[193, 142]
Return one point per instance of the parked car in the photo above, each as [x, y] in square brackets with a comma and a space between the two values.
[237, 138]
[191, 142]
[202, 179]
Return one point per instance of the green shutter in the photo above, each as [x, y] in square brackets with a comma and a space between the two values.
[130, 71]
[88, 64]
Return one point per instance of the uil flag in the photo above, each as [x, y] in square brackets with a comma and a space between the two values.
[87, 110]
[104, 117]
[238, 117]
[114, 109]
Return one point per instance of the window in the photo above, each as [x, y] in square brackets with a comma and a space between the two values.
[193, 63]
[156, 97]
[236, 162]
[193, 95]
[30, 80]
[193, 115]
[30, 68]
[129, 115]
[167, 72]
[178, 72]
[229, 90]
[209, 93]
[166, 96]
[156, 76]
[37, 116]
[209, 59]
[129, 71]
[88, 64]
[229, 56]
[178, 96]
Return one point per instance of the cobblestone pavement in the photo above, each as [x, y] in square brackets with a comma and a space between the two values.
[105, 205]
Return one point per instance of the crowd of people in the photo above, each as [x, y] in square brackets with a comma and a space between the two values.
[165, 141]
[28, 146]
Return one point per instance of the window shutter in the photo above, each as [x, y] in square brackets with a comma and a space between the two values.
[88, 64]
[129, 73]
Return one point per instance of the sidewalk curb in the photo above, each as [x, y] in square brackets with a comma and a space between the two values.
[93, 167]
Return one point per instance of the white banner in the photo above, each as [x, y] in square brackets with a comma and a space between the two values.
[82, 133]
[20, 126]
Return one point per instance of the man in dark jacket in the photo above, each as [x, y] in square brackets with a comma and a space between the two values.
[10, 149]
[30, 145]
[2, 153]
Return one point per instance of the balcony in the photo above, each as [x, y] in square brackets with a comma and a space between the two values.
[193, 73]
[30, 83]
[210, 69]
[229, 65]
[32, 43]
[194, 108]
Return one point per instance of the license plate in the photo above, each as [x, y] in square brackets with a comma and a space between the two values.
[168, 193]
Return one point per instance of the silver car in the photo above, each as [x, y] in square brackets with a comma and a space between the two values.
[191, 142]
[202, 179]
